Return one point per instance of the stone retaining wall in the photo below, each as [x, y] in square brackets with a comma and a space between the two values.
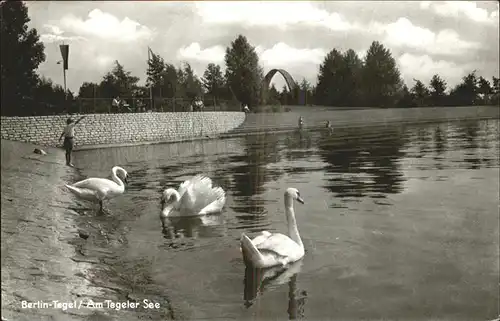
[130, 128]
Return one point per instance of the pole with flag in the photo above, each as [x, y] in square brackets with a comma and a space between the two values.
[150, 55]
[64, 53]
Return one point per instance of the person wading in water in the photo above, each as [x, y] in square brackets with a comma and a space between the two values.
[69, 138]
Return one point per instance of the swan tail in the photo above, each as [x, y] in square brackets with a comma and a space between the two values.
[83, 193]
[250, 252]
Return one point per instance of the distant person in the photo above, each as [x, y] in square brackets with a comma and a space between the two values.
[329, 127]
[124, 106]
[198, 104]
[69, 138]
[301, 122]
[116, 103]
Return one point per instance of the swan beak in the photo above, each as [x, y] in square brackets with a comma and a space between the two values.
[300, 200]
[126, 180]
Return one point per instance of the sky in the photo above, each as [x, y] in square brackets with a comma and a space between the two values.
[450, 38]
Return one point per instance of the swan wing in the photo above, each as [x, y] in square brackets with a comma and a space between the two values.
[96, 184]
[261, 238]
[219, 199]
[199, 194]
[83, 193]
[182, 188]
[280, 244]
[187, 194]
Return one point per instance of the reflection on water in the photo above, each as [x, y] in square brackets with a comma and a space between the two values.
[399, 221]
[256, 281]
[364, 165]
[206, 226]
[251, 174]
[469, 131]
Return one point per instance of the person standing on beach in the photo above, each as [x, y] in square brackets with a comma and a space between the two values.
[69, 138]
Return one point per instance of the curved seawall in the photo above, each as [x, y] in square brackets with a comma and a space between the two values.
[121, 129]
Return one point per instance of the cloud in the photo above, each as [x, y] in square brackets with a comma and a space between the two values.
[279, 55]
[458, 9]
[423, 67]
[107, 26]
[213, 54]
[56, 35]
[104, 62]
[403, 33]
[290, 35]
[272, 13]
[51, 38]
[282, 55]
[53, 29]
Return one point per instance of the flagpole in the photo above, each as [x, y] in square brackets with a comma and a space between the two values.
[150, 85]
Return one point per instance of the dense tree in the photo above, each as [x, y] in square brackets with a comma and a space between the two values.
[484, 90]
[156, 69]
[305, 94]
[437, 91]
[273, 96]
[243, 73]
[189, 84]
[381, 81]
[51, 98]
[285, 95]
[496, 84]
[465, 93]
[420, 93]
[495, 97]
[118, 82]
[339, 79]
[21, 54]
[170, 82]
[329, 81]
[351, 74]
[406, 98]
[156, 74]
[88, 90]
[213, 81]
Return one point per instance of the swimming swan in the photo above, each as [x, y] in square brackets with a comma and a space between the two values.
[99, 189]
[271, 249]
[195, 196]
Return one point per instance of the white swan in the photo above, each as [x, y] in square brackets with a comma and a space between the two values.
[99, 189]
[271, 249]
[195, 196]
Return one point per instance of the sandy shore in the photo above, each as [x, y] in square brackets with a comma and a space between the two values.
[53, 249]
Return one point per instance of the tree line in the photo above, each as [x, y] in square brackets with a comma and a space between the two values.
[344, 79]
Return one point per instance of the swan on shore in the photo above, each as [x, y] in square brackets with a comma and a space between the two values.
[195, 196]
[100, 189]
[272, 249]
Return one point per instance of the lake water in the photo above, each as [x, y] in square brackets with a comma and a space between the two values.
[400, 223]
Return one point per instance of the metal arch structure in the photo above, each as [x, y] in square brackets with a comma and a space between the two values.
[267, 80]
[288, 79]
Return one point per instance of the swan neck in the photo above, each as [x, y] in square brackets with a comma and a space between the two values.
[115, 177]
[293, 230]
